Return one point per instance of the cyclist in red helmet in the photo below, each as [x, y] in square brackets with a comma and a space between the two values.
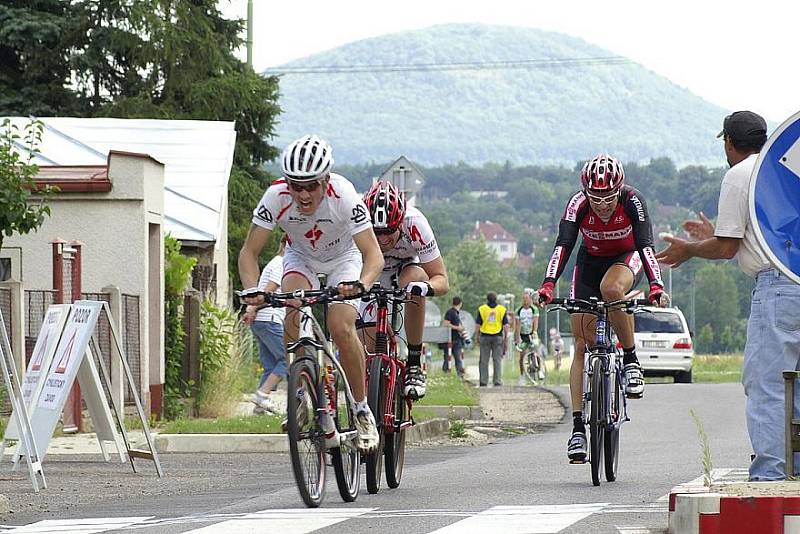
[411, 260]
[617, 249]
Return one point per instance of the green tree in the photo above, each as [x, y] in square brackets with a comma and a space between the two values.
[473, 270]
[705, 339]
[22, 208]
[34, 66]
[716, 301]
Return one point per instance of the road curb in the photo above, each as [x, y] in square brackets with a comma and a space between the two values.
[249, 443]
[694, 509]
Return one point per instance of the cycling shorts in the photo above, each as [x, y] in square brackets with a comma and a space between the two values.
[589, 272]
[346, 268]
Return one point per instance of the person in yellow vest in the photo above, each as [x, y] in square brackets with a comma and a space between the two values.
[492, 319]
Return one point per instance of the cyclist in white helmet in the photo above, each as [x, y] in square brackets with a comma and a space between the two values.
[328, 232]
[413, 261]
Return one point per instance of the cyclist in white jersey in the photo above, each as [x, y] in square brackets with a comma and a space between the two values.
[328, 232]
[525, 331]
[412, 261]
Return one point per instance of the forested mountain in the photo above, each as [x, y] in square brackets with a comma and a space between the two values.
[558, 112]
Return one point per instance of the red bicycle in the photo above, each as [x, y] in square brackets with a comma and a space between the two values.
[385, 378]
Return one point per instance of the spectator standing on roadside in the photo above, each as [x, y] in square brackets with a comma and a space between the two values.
[267, 327]
[773, 329]
[453, 321]
[491, 337]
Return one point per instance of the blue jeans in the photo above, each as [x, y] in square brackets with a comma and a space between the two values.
[270, 348]
[456, 350]
[773, 345]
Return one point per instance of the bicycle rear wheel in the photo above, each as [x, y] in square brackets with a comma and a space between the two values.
[395, 446]
[611, 444]
[345, 458]
[306, 437]
[376, 397]
[542, 376]
[596, 423]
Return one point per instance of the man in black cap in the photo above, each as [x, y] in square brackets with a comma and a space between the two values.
[773, 328]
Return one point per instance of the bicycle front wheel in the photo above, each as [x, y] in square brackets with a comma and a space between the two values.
[596, 422]
[345, 458]
[395, 447]
[376, 397]
[306, 437]
[611, 444]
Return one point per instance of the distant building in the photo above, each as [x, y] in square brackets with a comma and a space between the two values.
[406, 176]
[497, 238]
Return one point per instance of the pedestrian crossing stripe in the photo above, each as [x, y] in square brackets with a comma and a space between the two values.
[534, 519]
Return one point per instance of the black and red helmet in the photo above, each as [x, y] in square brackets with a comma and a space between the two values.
[602, 173]
[386, 205]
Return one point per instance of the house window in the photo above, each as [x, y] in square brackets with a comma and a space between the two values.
[5, 269]
[504, 247]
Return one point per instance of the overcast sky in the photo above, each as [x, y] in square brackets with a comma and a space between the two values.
[736, 54]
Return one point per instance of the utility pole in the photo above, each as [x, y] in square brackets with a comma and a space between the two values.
[250, 33]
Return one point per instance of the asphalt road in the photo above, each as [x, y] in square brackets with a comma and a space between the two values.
[521, 484]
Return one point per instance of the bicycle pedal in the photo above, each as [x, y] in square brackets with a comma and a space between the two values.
[579, 462]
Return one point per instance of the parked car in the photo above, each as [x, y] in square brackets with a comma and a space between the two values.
[664, 343]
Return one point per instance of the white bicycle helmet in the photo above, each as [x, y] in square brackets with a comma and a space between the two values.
[306, 159]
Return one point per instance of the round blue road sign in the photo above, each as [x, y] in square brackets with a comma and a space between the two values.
[775, 198]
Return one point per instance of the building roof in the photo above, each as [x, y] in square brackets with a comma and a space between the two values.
[197, 158]
[491, 231]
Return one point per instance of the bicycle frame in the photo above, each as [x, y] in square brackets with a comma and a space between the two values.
[385, 344]
[608, 355]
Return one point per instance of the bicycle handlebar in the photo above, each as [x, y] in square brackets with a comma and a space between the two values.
[310, 297]
[594, 307]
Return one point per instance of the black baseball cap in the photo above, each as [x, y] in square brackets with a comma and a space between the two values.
[744, 126]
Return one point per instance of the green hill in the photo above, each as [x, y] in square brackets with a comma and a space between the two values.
[560, 113]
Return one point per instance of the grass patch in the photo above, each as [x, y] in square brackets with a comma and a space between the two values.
[259, 424]
[457, 428]
[447, 389]
[717, 368]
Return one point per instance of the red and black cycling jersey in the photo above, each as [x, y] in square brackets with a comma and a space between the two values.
[627, 230]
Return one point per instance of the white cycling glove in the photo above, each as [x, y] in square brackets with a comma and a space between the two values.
[421, 289]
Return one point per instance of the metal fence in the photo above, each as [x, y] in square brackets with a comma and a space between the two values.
[131, 341]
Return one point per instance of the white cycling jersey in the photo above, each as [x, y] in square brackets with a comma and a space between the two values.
[416, 244]
[323, 236]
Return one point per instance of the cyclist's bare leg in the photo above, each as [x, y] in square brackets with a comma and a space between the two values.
[291, 325]
[583, 325]
[616, 283]
[415, 310]
[341, 324]
[522, 355]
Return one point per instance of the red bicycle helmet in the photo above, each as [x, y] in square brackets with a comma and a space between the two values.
[603, 173]
[386, 205]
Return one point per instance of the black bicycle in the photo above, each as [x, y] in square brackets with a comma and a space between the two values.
[605, 407]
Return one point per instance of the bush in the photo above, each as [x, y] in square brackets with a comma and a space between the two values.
[225, 353]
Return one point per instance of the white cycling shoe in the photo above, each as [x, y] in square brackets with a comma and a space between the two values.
[634, 387]
[415, 382]
[367, 440]
[576, 447]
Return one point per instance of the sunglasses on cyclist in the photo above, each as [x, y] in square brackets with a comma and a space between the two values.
[610, 199]
[299, 187]
[384, 231]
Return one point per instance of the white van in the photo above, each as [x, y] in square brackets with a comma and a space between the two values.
[663, 343]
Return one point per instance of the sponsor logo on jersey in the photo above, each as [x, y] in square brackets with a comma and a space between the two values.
[415, 235]
[294, 219]
[650, 258]
[591, 219]
[639, 207]
[313, 236]
[573, 206]
[609, 235]
[552, 267]
[264, 214]
[359, 214]
[619, 219]
[635, 263]
[325, 221]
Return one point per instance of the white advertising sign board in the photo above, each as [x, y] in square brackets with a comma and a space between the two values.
[58, 381]
[43, 351]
